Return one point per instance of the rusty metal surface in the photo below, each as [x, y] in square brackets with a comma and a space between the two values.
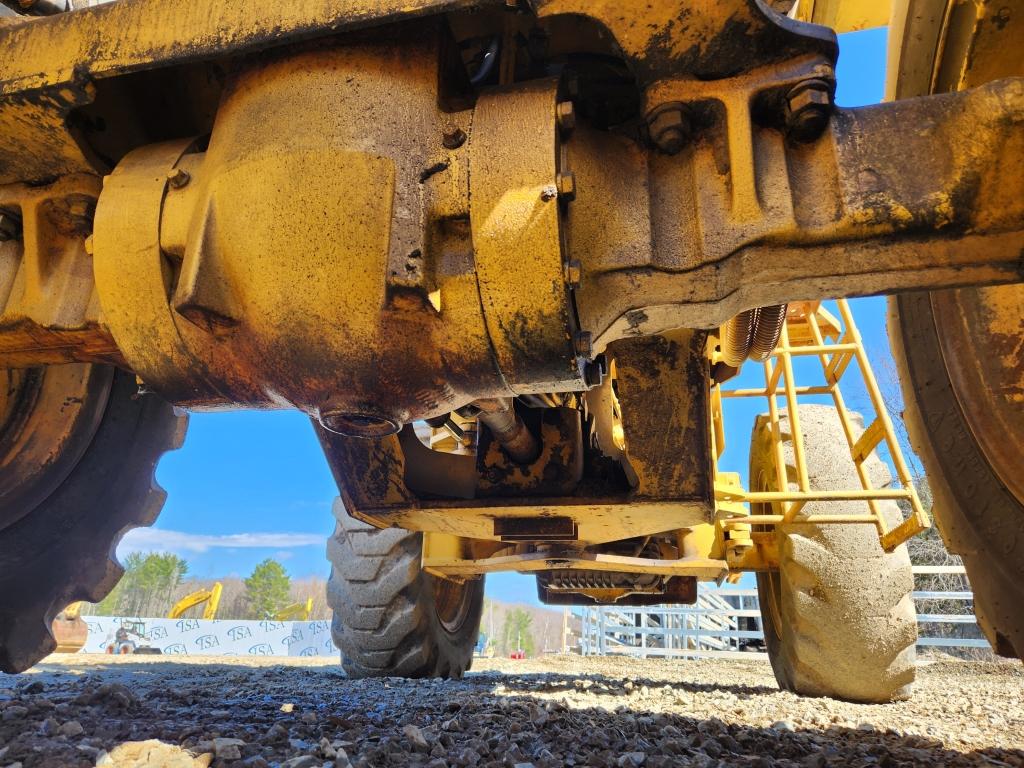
[980, 330]
[49, 311]
[943, 206]
[662, 385]
[50, 64]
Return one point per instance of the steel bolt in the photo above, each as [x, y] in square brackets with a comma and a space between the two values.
[595, 371]
[454, 139]
[566, 183]
[808, 108]
[565, 116]
[583, 342]
[573, 273]
[178, 178]
[669, 130]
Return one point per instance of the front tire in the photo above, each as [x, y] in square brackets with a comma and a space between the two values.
[838, 615]
[76, 473]
[390, 618]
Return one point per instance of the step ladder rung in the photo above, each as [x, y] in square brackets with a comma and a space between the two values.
[872, 436]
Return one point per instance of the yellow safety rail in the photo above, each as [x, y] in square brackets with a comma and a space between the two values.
[810, 330]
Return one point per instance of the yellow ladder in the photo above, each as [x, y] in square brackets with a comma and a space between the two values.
[810, 330]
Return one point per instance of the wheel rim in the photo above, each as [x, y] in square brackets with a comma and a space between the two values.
[452, 602]
[48, 418]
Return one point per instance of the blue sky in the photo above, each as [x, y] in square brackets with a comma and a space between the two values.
[249, 485]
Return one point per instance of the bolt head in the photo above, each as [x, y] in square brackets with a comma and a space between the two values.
[566, 183]
[595, 371]
[565, 115]
[178, 178]
[583, 342]
[669, 130]
[573, 273]
[454, 139]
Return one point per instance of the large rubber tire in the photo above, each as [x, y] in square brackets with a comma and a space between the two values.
[61, 550]
[390, 618]
[838, 616]
[979, 518]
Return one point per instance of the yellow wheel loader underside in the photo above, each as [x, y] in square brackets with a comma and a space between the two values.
[505, 255]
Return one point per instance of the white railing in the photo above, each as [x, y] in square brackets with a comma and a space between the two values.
[727, 622]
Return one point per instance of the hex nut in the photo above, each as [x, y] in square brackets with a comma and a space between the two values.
[808, 108]
[669, 130]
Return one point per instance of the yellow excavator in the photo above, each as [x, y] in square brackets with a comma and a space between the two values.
[295, 611]
[211, 598]
[509, 256]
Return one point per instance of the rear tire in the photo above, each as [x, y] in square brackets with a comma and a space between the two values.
[390, 618]
[979, 518]
[838, 616]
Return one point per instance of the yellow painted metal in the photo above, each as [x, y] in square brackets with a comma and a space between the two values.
[295, 611]
[596, 523]
[49, 312]
[517, 238]
[836, 344]
[211, 597]
[703, 568]
[844, 15]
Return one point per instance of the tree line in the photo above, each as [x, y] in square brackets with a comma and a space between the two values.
[153, 582]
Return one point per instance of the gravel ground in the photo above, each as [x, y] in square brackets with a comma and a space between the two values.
[150, 711]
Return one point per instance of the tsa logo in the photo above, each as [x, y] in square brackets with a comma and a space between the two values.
[263, 649]
[271, 626]
[187, 625]
[316, 627]
[311, 651]
[178, 649]
[207, 641]
[241, 632]
[158, 633]
[292, 638]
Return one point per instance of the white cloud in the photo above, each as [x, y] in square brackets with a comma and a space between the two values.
[178, 542]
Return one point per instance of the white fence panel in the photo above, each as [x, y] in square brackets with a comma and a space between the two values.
[219, 637]
[725, 622]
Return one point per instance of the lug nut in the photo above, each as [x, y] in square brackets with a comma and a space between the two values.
[808, 108]
[565, 116]
[669, 129]
[178, 178]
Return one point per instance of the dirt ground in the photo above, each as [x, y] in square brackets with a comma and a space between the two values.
[244, 711]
